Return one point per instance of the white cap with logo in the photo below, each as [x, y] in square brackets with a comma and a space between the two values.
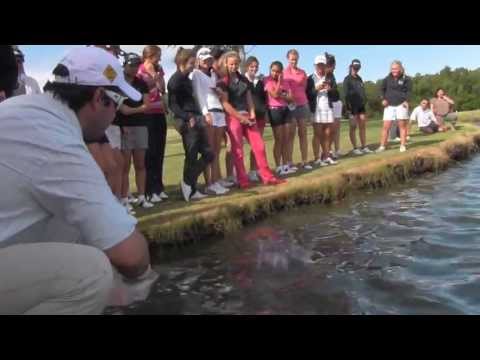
[320, 59]
[93, 66]
[204, 54]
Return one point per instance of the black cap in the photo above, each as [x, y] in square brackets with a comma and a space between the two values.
[356, 62]
[132, 59]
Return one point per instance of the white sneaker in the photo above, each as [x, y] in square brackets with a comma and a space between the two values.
[292, 168]
[129, 209]
[225, 183]
[357, 152]
[253, 176]
[198, 196]
[132, 199]
[330, 161]
[279, 170]
[287, 170]
[318, 162]
[145, 204]
[217, 189]
[380, 149]
[408, 138]
[307, 167]
[366, 150]
[186, 191]
[155, 198]
[221, 188]
[163, 195]
[403, 148]
[397, 139]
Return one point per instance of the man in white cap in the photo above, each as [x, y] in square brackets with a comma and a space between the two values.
[63, 234]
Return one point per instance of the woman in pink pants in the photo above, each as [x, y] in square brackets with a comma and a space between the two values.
[238, 104]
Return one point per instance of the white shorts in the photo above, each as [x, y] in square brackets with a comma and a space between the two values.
[218, 119]
[337, 109]
[114, 136]
[399, 112]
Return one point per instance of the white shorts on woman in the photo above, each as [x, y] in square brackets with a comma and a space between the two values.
[394, 113]
[218, 119]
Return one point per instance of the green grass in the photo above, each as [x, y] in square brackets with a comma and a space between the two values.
[175, 215]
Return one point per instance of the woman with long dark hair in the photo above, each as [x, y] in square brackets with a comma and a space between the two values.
[259, 101]
[355, 101]
[152, 74]
[190, 123]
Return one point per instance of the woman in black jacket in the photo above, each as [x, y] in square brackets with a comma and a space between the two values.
[259, 97]
[396, 90]
[355, 101]
[190, 123]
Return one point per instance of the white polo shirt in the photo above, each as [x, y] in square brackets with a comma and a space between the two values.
[424, 117]
[51, 189]
[203, 92]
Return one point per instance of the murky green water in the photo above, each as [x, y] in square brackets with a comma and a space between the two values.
[414, 249]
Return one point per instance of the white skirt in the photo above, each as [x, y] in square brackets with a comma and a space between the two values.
[394, 113]
[323, 113]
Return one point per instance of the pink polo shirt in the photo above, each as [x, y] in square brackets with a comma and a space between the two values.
[156, 89]
[270, 84]
[298, 82]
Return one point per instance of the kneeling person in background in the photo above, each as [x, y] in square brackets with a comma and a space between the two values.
[423, 115]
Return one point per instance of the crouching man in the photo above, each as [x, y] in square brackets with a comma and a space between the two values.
[64, 237]
[426, 120]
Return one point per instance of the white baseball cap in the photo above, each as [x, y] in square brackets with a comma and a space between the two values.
[93, 66]
[320, 59]
[204, 54]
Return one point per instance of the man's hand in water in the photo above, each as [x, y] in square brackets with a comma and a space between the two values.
[127, 291]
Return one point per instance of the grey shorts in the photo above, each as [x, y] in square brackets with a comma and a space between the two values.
[300, 113]
[135, 138]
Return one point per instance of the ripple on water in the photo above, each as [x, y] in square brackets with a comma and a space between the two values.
[413, 250]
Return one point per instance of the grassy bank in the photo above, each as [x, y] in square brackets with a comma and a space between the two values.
[176, 222]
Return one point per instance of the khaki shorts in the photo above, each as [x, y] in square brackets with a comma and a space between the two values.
[135, 138]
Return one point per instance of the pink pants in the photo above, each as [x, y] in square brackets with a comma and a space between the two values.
[236, 132]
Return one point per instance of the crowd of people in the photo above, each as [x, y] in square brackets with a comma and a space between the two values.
[216, 105]
[67, 153]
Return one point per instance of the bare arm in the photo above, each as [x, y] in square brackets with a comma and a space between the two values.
[127, 110]
[448, 100]
[251, 105]
[131, 256]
